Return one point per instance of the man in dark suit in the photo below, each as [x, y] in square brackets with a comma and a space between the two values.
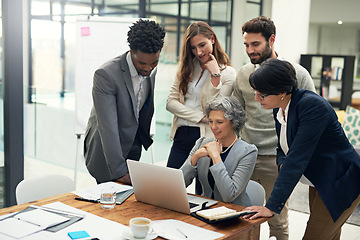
[123, 98]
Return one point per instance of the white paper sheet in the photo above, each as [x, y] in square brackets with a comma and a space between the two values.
[95, 226]
[41, 218]
[94, 192]
[178, 230]
[16, 228]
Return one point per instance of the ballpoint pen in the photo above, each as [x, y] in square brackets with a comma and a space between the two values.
[86, 200]
[181, 233]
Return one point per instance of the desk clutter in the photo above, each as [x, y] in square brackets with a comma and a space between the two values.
[60, 221]
[90, 225]
[63, 217]
[94, 225]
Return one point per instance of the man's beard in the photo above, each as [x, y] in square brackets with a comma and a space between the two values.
[263, 55]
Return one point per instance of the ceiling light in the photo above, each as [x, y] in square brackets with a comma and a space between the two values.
[340, 22]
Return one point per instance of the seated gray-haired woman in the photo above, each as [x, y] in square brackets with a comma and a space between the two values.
[223, 163]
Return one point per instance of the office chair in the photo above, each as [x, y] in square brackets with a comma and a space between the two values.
[44, 186]
[256, 193]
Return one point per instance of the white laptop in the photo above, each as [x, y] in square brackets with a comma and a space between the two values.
[164, 187]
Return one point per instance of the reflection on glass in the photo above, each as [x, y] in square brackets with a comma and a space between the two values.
[221, 35]
[47, 64]
[199, 9]
[337, 62]
[185, 10]
[316, 65]
[2, 165]
[252, 10]
[221, 11]
[40, 8]
[171, 8]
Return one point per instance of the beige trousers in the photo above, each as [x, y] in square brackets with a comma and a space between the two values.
[265, 173]
[320, 225]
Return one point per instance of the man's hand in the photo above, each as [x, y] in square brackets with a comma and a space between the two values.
[125, 179]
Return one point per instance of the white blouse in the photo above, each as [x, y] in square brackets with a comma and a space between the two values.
[193, 95]
[282, 118]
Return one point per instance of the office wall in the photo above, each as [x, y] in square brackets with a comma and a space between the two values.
[330, 11]
[292, 26]
[238, 56]
[333, 39]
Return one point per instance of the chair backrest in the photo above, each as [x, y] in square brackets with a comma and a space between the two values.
[256, 193]
[44, 186]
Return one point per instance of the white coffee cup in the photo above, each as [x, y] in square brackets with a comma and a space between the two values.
[140, 227]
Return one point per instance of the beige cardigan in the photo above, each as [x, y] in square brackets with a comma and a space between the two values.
[175, 100]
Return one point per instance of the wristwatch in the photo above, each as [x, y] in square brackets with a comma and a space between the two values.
[216, 75]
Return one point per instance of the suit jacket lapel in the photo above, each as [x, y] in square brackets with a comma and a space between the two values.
[128, 82]
[292, 116]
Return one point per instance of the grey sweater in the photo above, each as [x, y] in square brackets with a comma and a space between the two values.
[260, 126]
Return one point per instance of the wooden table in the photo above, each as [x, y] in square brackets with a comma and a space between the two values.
[234, 229]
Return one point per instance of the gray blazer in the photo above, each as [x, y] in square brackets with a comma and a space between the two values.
[113, 124]
[231, 176]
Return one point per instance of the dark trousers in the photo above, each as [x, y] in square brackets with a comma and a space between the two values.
[184, 141]
[134, 153]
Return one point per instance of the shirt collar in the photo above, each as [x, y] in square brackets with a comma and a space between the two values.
[283, 118]
[132, 68]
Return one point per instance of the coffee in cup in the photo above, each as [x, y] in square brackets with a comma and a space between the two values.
[140, 227]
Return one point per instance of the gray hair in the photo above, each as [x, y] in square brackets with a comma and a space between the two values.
[232, 110]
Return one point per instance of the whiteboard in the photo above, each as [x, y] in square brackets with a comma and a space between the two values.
[97, 41]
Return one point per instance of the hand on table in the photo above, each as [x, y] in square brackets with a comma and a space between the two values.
[125, 179]
[261, 212]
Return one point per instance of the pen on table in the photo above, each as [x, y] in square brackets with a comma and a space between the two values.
[181, 233]
[86, 200]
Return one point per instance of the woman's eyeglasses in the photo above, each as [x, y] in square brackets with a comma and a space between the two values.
[263, 96]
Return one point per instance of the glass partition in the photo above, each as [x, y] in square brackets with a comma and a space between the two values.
[49, 118]
[2, 162]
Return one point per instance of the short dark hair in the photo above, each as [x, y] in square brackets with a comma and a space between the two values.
[274, 76]
[262, 25]
[146, 36]
[232, 110]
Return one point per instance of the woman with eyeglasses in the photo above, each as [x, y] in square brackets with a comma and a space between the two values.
[312, 149]
[222, 163]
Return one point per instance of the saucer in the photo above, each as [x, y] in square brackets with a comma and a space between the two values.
[128, 235]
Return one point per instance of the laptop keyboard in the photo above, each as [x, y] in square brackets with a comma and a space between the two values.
[193, 205]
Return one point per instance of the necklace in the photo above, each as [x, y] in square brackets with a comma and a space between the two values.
[229, 146]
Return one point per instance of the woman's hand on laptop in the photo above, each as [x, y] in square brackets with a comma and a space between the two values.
[125, 179]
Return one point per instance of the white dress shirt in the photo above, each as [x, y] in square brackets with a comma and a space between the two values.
[282, 118]
[140, 83]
